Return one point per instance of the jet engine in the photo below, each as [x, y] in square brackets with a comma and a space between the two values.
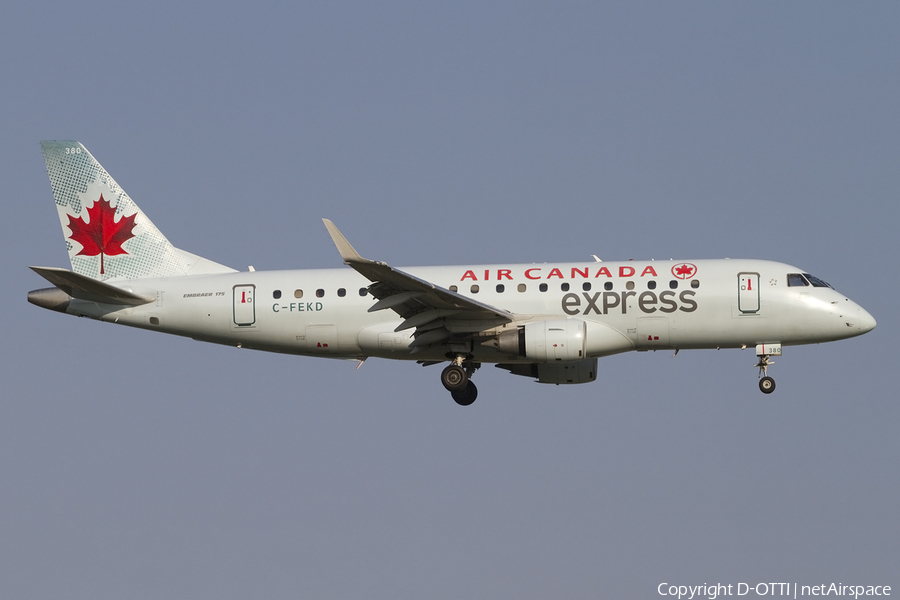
[561, 340]
[560, 351]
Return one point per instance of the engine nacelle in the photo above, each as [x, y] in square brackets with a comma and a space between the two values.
[555, 340]
[560, 340]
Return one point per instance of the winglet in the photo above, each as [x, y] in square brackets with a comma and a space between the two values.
[348, 252]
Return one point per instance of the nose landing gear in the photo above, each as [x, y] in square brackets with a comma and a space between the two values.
[765, 352]
[766, 384]
[456, 379]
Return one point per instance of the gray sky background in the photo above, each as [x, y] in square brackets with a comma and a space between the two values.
[135, 465]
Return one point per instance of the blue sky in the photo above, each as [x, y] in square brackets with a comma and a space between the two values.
[145, 466]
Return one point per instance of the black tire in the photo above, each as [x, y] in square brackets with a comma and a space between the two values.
[767, 385]
[465, 396]
[454, 378]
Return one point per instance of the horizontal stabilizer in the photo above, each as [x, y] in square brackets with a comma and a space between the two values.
[87, 288]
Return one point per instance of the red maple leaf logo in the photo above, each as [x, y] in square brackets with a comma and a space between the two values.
[101, 234]
[684, 270]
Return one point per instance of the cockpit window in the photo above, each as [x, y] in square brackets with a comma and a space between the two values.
[796, 280]
[816, 281]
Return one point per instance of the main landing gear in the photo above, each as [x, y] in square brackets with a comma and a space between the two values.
[456, 379]
[766, 384]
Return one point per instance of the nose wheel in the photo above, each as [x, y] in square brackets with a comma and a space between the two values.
[456, 379]
[766, 383]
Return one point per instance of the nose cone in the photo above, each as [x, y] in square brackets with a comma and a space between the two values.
[866, 322]
[856, 319]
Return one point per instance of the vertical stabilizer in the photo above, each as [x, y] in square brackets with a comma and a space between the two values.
[107, 235]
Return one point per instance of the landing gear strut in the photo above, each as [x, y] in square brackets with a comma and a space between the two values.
[456, 379]
[766, 384]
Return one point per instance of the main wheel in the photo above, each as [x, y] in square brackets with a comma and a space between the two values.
[465, 396]
[454, 378]
[767, 385]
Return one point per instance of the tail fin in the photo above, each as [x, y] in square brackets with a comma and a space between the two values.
[107, 235]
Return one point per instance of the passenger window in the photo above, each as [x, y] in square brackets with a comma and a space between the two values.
[474, 289]
[453, 288]
[796, 280]
[651, 285]
[363, 291]
[564, 287]
[673, 285]
[586, 286]
[500, 288]
[521, 287]
[342, 292]
[276, 294]
[695, 283]
[608, 286]
[298, 293]
[320, 293]
[543, 287]
[629, 285]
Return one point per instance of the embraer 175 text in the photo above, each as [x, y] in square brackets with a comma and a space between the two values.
[550, 321]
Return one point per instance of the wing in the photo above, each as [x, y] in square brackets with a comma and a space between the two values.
[438, 315]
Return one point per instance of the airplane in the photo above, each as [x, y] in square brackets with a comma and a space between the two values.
[550, 322]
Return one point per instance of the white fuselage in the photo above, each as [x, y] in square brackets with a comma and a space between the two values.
[323, 312]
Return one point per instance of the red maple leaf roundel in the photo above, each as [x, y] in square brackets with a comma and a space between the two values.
[101, 233]
[684, 270]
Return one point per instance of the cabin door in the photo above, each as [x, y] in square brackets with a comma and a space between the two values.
[244, 306]
[748, 292]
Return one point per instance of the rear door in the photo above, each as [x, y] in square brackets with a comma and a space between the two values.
[244, 306]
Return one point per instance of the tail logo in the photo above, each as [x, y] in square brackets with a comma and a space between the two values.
[101, 234]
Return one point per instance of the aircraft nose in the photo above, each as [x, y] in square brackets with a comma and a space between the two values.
[866, 321]
[857, 319]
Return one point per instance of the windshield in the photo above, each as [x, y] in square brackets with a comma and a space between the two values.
[816, 281]
[796, 280]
